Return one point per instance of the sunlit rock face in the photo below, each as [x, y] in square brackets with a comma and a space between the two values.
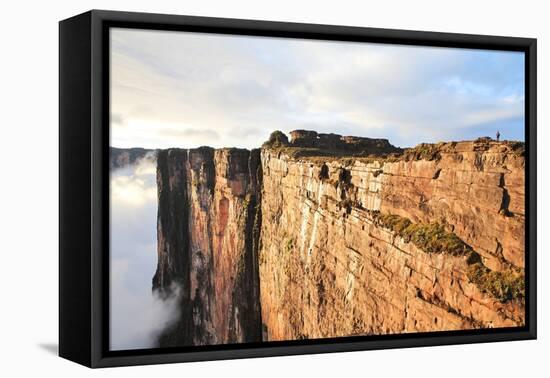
[328, 269]
[477, 187]
[207, 244]
[300, 241]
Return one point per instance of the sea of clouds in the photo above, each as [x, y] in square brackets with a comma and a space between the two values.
[137, 315]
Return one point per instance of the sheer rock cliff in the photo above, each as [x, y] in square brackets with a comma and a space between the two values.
[327, 236]
[207, 244]
[330, 267]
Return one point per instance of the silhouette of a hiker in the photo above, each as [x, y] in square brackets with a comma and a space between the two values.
[498, 135]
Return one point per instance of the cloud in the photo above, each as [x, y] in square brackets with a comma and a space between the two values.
[117, 119]
[136, 314]
[189, 133]
[238, 89]
[132, 191]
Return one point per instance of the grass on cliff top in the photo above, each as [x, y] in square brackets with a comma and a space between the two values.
[345, 157]
[423, 151]
[434, 238]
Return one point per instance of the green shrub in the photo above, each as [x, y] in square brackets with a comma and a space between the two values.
[276, 139]
[289, 245]
[505, 285]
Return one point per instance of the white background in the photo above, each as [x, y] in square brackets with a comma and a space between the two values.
[29, 187]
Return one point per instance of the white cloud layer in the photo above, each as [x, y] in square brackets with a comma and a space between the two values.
[136, 315]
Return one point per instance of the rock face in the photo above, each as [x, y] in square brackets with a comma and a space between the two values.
[208, 230]
[476, 187]
[282, 244]
[328, 268]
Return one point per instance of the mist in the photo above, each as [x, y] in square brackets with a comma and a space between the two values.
[137, 315]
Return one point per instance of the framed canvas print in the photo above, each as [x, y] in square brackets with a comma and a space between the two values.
[235, 188]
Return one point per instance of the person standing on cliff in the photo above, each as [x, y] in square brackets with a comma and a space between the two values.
[498, 135]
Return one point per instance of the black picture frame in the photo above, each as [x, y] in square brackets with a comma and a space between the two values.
[84, 192]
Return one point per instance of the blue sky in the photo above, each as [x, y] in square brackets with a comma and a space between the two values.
[177, 89]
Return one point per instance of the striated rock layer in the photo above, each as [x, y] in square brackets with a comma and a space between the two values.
[208, 230]
[329, 269]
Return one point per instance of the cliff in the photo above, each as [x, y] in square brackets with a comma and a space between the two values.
[326, 236]
[207, 244]
[429, 239]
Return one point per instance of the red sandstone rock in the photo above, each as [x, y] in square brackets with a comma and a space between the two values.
[328, 270]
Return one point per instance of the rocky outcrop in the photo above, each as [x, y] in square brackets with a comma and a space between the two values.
[121, 157]
[350, 145]
[329, 267]
[208, 226]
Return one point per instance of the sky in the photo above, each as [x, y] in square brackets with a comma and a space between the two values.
[181, 89]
